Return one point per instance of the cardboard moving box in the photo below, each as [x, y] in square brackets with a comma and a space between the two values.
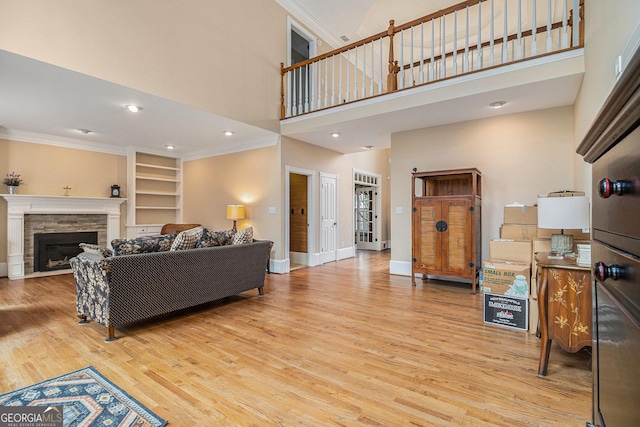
[510, 250]
[521, 215]
[578, 234]
[508, 312]
[518, 231]
[506, 278]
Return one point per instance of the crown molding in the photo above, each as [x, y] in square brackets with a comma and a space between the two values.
[233, 147]
[305, 17]
[60, 141]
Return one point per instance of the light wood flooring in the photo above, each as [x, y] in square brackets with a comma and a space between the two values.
[341, 344]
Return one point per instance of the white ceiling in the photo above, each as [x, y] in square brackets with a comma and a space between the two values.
[40, 102]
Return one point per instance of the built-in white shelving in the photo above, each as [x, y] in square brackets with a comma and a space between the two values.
[155, 192]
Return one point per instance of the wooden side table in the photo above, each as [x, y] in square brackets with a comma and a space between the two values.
[565, 306]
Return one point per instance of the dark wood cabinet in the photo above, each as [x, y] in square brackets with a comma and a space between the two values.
[446, 224]
[612, 145]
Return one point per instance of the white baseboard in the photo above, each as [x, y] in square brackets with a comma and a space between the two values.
[343, 253]
[299, 258]
[314, 259]
[4, 272]
[401, 268]
[279, 266]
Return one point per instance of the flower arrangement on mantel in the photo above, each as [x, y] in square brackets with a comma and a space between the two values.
[12, 179]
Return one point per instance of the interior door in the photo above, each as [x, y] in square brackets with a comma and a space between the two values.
[365, 212]
[329, 218]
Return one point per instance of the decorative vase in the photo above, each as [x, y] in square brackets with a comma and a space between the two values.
[13, 189]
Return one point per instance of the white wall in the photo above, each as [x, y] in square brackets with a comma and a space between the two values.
[520, 156]
[609, 26]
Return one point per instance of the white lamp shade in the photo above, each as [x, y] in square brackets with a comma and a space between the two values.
[235, 212]
[565, 213]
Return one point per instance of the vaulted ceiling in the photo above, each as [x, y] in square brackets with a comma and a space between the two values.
[39, 100]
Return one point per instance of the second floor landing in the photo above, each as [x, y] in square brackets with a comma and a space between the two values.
[545, 82]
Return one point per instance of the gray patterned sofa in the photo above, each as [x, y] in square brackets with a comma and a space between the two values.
[118, 290]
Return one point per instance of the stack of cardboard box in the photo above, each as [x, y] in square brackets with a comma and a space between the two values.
[515, 251]
[507, 272]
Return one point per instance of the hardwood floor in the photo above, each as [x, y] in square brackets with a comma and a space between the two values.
[341, 344]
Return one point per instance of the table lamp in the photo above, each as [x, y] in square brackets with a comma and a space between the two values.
[563, 213]
[235, 212]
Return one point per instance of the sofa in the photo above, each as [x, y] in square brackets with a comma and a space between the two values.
[144, 278]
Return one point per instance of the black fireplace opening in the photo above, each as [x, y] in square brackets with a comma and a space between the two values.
[52, 251]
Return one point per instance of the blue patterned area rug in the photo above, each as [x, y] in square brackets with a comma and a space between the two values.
[88, 399]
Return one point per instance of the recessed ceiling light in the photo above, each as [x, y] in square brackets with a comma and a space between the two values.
[170, 147]
[85, 131]
[228, 132]
[133, 108]
[497, 104]
[335, 134]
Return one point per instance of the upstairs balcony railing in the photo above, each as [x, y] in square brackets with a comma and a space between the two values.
[470, 36]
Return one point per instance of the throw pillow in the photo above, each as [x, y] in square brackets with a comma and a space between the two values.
[96, 249]
[187, 239]
[215, 238]
[243, 236]
[141, 245]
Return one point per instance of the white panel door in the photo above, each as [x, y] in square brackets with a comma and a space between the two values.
[329, 218]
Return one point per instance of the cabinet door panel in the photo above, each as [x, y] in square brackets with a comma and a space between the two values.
[457, 247]
[427, 215]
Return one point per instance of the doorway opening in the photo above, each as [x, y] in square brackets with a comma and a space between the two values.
[300, 220]
[367, 210]
[301, 45]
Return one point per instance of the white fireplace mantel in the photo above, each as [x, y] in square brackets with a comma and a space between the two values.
[19, 204]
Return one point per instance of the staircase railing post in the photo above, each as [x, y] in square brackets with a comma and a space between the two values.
[392, 77]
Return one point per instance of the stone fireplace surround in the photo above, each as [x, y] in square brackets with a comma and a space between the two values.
[19, 205]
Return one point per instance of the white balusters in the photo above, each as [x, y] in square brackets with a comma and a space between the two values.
[534, 30]
[401, 83]
[491, 37]
[465, 64]
[433, 53]
[421, 79]
[549, 38]
[564, 32]
[455, 44]
[433, 49]
[412, 80]
[505, 32]
[479, 46]
[575, 25]
[340, 80]
[443, 51]
[355, 77]
[519, 33]
[373, 70]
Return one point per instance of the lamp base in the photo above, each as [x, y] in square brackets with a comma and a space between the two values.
[561, 244]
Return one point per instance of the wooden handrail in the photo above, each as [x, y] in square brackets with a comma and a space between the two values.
[322, 94]
[485, 44]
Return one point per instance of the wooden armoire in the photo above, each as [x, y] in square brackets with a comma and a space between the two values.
[446, 224]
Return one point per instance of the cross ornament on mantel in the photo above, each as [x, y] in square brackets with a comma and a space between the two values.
[66, 190]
